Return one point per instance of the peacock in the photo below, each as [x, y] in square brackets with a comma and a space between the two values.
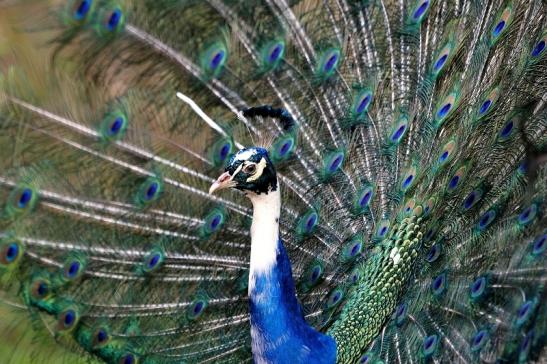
[276, 181]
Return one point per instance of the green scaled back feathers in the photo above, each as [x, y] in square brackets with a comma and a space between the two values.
[413, 183]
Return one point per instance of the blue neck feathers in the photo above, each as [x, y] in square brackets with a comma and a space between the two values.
[279, 331]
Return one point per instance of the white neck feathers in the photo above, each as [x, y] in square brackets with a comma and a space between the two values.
[265, 230]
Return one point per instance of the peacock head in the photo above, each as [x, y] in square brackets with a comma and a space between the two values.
[249, 170]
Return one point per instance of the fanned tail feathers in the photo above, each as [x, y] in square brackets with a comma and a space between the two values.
[405, 134]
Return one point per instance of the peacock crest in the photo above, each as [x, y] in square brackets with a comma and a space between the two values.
[273, 181]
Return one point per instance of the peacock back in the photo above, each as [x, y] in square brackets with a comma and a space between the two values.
[409, 143]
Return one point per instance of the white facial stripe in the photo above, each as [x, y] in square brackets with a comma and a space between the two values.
[244, 155]
[237, 170]
[259, 169]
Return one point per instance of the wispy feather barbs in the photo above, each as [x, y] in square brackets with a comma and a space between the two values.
[404, 140]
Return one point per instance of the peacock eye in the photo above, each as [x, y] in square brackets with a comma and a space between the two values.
[250, 168]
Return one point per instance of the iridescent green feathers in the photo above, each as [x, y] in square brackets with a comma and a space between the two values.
[413, 178]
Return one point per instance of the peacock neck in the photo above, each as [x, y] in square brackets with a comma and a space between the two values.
[265, 230]
[279, 332]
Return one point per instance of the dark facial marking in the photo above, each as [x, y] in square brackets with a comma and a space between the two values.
[265, 183]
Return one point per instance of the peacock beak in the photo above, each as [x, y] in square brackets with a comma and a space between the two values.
[222, 182]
